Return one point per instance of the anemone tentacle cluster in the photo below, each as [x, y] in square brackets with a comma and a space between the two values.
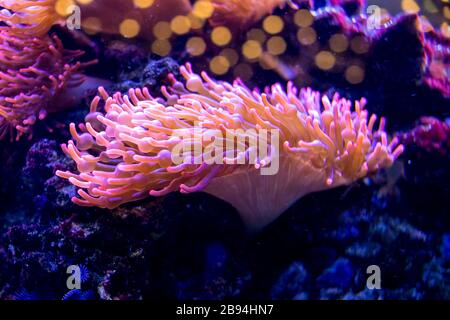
[32, 73]
[35, 68]
[126, 152]
[30, 17]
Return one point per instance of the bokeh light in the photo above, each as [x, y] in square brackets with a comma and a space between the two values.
[273, 24]
[306, 36]
[276, 45]
[129, 28]
[325, 60]
[251, 49]
[410, 6]
[445, 29]
[62, 7]
[339, 43]
[162, 31]
[196, 22]
[354, 74]
[143, 4]
[303, 18]
[161, 47]
[180, 25]
[203, 9]
[446, 12]
[195, 46]
[221, 36]
[219, 65]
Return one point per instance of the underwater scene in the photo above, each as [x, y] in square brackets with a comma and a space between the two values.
[219, 150]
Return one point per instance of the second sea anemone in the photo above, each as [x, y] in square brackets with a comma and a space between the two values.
[34, 72]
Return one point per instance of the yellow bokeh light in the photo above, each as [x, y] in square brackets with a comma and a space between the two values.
[325, 60]
[306, 36]
[221, 36]
[203, 9]
[251, 49]
[354, 74]
[273, 24]
[161, 47]
[84, 1]
[219, 65]
[231, 55]
[339, 43]
[445, 29]
[303, 18]
[180, 25]
[410, 6]
[129, 28]
[63, 7]
[162, 31]
[195, 46]
[196, 22]
[446, 12]
[276, 45]
[243, 71]
[143, 4]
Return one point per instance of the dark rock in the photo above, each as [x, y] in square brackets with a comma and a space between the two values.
[339, 275]
[291, 283]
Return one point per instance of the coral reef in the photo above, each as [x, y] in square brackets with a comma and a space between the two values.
[194, 247]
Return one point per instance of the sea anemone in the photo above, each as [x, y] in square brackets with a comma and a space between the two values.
[36, 17]
[33, 74]
[242, 13]
[129, 151]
